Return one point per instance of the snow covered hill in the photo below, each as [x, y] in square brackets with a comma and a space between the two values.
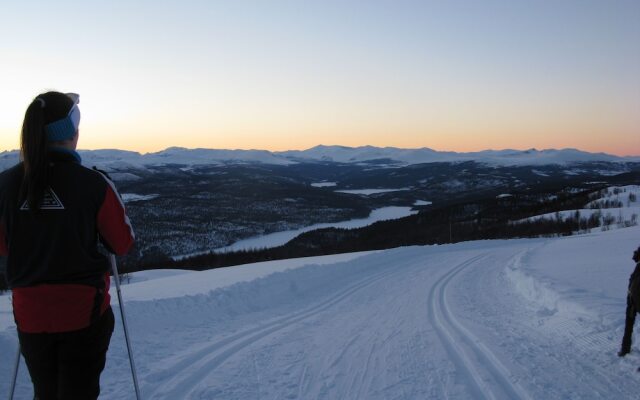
[516, 319]
[614, 207]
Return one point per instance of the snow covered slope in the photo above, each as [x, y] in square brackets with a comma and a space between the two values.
[615, 207]
[516, 319]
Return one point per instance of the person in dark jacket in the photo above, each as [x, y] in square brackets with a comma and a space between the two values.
[630, 319]
[54, 212]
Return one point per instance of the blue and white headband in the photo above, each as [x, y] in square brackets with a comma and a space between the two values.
[66, 128]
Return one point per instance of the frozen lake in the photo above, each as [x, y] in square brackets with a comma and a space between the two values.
[279, 238]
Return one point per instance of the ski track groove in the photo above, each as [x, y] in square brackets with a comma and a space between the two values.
[206, 360]
[301, 384]
[343, 352]
[364, 375]
[465, 349]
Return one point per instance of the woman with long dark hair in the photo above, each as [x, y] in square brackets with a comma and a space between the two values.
[53, 214]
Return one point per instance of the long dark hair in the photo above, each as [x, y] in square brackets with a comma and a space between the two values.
[44, 109]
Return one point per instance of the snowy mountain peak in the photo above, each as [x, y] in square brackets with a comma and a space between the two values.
[116, 159]
[507, 157]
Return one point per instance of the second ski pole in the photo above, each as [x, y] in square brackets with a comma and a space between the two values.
[14, 380]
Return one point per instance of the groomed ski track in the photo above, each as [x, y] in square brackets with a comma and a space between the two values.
[198, 366]
[465, 321]
[485, 374]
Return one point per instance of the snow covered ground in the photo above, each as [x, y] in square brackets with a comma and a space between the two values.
[129, 197]
[323, 184]
[369, 192]
[617, 206]
[511, 319]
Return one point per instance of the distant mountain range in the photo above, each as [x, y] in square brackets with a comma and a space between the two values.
[122, 159]
[425, 155]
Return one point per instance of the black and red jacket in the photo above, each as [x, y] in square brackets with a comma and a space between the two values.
[59, 279]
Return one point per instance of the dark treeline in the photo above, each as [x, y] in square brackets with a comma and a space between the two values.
[494, 218]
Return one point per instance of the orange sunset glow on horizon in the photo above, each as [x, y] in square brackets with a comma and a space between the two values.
[290, 76]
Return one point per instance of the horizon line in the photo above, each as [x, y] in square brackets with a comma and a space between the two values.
[354, 147]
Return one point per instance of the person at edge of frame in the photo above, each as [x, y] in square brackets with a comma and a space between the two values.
[630, 319]
[53, 214]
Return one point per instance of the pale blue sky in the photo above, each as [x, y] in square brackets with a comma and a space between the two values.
[451, 75]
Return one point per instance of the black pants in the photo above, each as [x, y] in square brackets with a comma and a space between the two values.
[628, 326]
[68, 365]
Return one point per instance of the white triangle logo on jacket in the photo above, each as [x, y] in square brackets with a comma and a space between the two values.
[50, 201]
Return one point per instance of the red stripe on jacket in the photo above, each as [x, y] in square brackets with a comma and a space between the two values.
[113, 224]
[57, 308]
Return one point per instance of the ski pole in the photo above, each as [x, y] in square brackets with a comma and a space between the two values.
[15, 374]
[116, 278]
